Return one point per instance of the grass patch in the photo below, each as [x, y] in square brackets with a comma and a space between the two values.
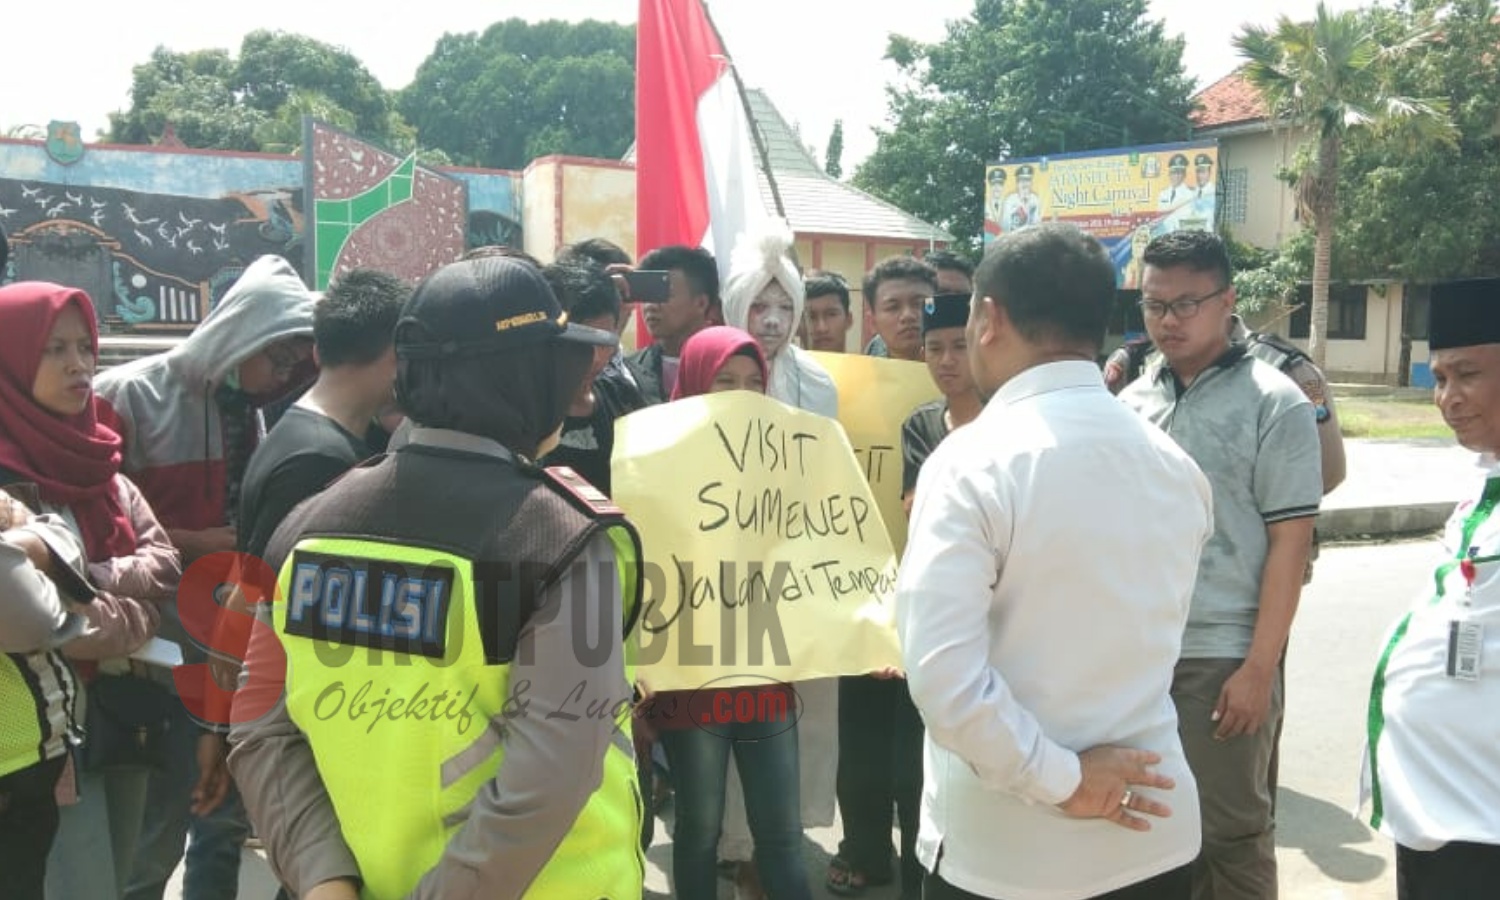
[1389, 417]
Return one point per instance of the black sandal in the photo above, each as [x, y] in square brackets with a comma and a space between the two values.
[846, 881]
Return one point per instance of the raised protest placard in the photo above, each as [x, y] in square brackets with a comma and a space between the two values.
[875, 397]
[766, 554]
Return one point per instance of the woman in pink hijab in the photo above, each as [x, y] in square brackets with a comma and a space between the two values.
[765, 750]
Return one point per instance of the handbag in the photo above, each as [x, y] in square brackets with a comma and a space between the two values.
[126, 723]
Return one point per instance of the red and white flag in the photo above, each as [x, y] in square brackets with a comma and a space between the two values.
[695, 153]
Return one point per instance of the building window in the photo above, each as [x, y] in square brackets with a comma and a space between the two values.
[1414, 310]
[1346, 312]
[1236, 195]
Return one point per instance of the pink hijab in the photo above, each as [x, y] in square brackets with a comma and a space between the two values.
[705, 353]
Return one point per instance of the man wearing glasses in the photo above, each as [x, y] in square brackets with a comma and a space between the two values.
[1254, 435]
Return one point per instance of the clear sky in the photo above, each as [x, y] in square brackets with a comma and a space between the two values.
[819, 60]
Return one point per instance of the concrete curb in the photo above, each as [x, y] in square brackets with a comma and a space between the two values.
[1383, 521]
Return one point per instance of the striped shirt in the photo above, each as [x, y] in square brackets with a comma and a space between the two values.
[1254, 434]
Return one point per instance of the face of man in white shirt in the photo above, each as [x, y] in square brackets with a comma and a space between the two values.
[1467, 391]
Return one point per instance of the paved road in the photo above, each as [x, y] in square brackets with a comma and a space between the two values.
[1325, 853]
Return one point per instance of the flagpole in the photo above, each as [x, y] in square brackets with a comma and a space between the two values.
[760, 147]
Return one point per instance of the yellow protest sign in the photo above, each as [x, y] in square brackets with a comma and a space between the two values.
[765, 553]
[875, 397]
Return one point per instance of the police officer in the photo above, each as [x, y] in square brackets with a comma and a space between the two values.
[1203, 177]
[1176, 192]
[995, 195]
[42, 576]
[1023, 208]
[454, 719]
[1432, 776]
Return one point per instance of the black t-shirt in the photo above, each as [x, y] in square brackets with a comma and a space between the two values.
[301, 455]
[922, 431]
[588, 441]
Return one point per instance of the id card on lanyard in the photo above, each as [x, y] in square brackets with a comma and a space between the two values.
[1465, 636]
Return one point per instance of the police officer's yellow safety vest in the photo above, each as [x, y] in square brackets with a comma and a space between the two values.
[38, 702]
[407, 725]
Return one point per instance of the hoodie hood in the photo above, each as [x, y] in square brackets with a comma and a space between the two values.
[269, 303]
[164, 408]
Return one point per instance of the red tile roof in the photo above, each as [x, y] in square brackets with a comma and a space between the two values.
[1229, 101]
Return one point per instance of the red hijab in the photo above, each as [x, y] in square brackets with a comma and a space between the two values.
[706, 352]
[72, 459]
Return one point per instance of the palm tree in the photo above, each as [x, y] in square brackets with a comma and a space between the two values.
[1328, 76]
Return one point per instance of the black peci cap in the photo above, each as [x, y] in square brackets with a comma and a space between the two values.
[1464, 314]
[485, 305]
[945, 311]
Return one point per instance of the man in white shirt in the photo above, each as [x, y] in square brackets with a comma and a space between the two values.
[1432, 774]
[1038, 635]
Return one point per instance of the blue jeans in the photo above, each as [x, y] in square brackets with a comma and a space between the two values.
[213, 853]
[98, 836]
[767, 761]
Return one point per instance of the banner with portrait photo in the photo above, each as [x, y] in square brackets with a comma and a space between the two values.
[766, 555]
[1123, 197]
[875, 398]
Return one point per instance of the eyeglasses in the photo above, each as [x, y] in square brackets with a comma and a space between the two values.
[1182, 309]
[286, 356]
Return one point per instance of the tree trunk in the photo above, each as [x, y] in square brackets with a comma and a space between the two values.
[1325, 207]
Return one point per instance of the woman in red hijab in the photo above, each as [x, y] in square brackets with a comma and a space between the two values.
[765, 749]
[51, 436]
[720, 358]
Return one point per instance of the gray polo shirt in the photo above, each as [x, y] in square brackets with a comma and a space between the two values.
[1254, 434]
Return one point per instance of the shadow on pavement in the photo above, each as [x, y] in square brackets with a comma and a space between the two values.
[1325, 833]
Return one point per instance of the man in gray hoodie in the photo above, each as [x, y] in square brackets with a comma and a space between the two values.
[191, 417]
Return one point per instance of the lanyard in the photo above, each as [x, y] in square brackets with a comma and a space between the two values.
[1468, 557]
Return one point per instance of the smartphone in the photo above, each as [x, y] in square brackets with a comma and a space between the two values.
[648, 286]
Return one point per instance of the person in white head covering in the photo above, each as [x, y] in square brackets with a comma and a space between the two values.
[763, 295]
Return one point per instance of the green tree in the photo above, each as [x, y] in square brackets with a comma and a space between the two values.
[1330, 76]
[283, 132]
[255, 102]
[1448, 193]
[522, 90]
[275, 66]
[833, 159]
[191, 91]
[1021, 78]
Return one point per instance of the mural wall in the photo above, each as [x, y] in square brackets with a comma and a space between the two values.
[372, 209]
[156, 236]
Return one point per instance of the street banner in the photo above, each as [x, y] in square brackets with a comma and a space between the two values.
[1123, 197]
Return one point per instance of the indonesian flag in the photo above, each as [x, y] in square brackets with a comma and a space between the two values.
[695, 158]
